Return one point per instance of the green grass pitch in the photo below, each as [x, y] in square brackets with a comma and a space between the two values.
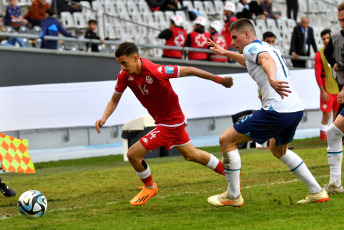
[94, 193]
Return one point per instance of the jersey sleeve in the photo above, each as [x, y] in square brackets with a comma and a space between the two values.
[166, 72]
[121, 83]
[252, 51]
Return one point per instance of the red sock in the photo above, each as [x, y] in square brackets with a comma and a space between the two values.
[219, 168]
[148, 182]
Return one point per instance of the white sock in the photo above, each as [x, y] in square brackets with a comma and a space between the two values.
[323, 127]
[232, 165]
[335, 154]
[213, 162]
[145, 174]
[299, 168]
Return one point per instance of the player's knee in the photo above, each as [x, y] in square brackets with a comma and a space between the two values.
[131, 154]
[223, 140]
[333, 133]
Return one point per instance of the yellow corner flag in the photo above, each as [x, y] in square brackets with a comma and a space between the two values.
[14, 155]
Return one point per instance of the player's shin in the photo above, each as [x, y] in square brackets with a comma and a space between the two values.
[215, 164]
[299, 168]
[232, 166]
[335, 154]
[146, 176]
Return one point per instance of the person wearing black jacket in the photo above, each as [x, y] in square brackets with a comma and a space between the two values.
[90, 34]
[301, 41]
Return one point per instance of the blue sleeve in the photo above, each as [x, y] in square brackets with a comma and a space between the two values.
[62, 30]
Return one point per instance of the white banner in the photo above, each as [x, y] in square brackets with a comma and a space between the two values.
[81, 104]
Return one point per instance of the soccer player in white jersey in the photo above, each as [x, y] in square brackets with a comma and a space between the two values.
[277, 120]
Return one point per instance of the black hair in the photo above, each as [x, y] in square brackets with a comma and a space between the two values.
[268, 34]
[126, 48]
[50, 11]
[325, 31]
[92, 21]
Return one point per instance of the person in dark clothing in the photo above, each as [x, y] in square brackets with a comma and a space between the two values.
[292, 5]
[257, 9]
[6, 191]
[92, 26]
[301, 41]
[51, 27]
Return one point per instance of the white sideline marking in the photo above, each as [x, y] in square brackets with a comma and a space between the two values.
[178, 194]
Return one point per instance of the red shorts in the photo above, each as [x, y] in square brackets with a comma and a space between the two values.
[331, 105]
[165, 136]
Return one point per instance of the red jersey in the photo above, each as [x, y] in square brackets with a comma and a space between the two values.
[178, 39]
[198, 40]
[225, 31]
[219, 39]
[153, 89]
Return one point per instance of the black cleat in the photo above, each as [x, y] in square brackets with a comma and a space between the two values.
[7, 191]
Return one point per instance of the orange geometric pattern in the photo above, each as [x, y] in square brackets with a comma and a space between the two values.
[14, 155]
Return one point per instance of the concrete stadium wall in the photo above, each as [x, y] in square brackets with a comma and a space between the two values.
[24, 66]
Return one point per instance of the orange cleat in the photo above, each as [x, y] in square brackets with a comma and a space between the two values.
[144, 195]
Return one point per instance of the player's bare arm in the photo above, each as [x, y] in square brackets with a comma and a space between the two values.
[110, 108]
[192, 71]
[269, 66]
[221, 51]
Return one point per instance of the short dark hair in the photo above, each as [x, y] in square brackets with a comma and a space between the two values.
[341, 6]
[92, 21]
[268, 34]
[243, 24]
[126, 48]
[325, 31]
[50, 11]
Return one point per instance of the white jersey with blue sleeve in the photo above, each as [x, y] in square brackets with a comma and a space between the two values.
[271, 100]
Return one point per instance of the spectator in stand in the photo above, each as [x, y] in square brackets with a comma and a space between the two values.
[301, 40]
[215, 35]
[65, 6]
[51, 27]
[243, 10]
[92, 26]
[292, 5]
[229, 13]
[36, 12]
[257, 9]
[328, 85]
[267, 6]
[175, 36]
[13, 15]
[9, 41]
[198, 38]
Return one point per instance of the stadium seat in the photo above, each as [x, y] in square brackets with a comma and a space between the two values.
[198, 5]
[261, 24]
[143, 7]
[188, 4]
[90, 15]
[86, 7]
[120, 8]
[160, 20]
[271, 24]
[67, 20]
[37, 30]
[109, 8]
[79, 20]
[210, 10]
[97, 6]
[182, 14]
[5, 2]
[132, 7]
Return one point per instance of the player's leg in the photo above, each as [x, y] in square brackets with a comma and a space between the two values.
[335, 134]
[299, 168]
[6, 191]
[324, 125]
[232, 165]
[150, 189]
[190, 153]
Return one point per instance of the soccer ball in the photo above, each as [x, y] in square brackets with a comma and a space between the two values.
[32, 204]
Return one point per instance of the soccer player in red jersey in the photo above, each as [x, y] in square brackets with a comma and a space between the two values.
[150, 84]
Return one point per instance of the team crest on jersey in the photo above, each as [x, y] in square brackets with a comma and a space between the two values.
[160, 69]
[131, 78]
[149, 79]
[252, 49]
[169, 69]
